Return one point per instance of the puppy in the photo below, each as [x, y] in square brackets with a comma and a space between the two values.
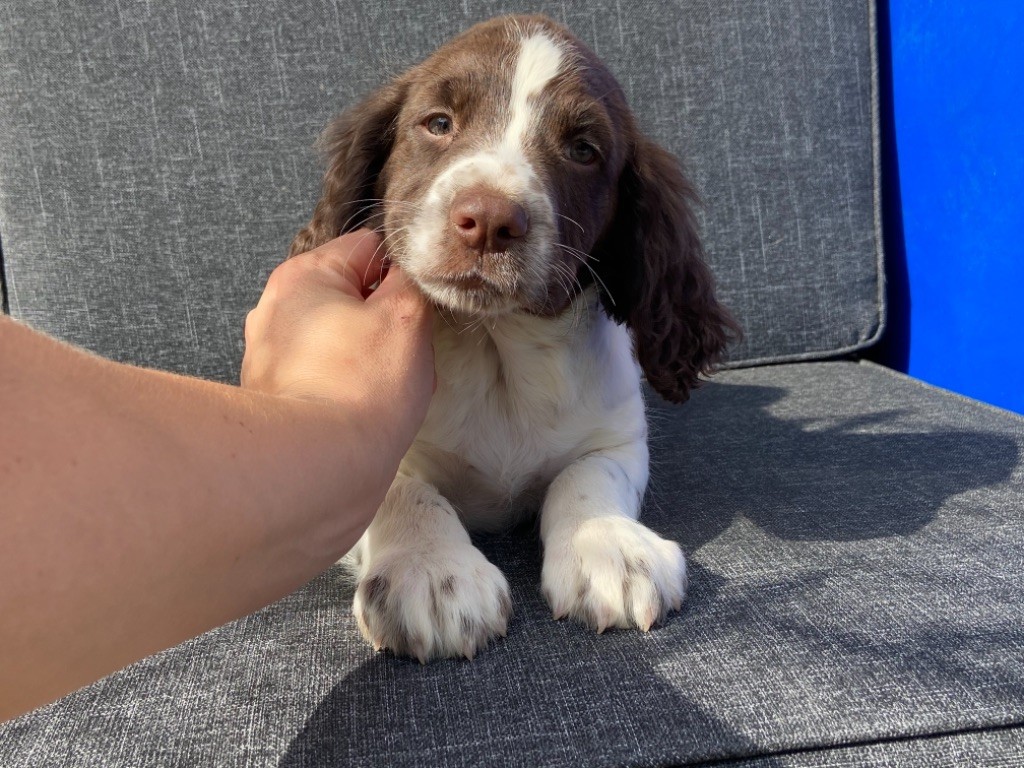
[512, 184]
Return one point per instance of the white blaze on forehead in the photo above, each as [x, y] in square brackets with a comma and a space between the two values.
[540, 61]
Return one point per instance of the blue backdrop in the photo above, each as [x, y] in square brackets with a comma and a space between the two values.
[953, 103]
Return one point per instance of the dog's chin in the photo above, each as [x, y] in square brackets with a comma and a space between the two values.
[469, 295]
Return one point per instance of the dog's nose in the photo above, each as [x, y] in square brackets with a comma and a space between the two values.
[487, 221]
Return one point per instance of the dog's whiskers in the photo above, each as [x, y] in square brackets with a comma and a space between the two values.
[577, 254]
[376, 202]
[573, 221]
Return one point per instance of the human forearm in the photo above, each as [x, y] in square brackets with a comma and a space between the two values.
[141, 508]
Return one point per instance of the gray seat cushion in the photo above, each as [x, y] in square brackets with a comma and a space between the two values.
[155, 158]
[1001, 747]
[854, 540]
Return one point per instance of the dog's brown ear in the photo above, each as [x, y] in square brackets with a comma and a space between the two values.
[656, 279]
[356, 146]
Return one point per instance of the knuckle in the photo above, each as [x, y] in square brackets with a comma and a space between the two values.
[287, 271]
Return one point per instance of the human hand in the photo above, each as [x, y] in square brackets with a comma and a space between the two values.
[319, 332]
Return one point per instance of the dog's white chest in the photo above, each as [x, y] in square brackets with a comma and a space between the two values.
[517, 402]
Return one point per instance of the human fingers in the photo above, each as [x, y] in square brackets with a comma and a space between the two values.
[352, 262]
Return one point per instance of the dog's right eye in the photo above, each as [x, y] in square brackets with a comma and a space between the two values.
[440, 125]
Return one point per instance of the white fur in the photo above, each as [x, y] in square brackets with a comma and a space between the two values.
[539, 62]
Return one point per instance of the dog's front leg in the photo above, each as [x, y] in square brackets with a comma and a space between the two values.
[424, 589]
[601, 566]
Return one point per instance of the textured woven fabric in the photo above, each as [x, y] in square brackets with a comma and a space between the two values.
[854, 541]
[996, 748]
[155, 158]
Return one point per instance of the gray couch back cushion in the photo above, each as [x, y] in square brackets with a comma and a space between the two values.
[155, 159]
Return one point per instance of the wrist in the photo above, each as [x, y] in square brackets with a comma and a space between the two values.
[370, 437]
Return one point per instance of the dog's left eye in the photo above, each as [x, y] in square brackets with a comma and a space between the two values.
[583, 152]
[440, 125]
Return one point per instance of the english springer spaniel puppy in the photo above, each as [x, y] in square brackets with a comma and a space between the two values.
[557, 243]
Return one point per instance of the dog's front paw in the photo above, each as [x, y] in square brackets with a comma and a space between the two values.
[451, 602]
[613, 572]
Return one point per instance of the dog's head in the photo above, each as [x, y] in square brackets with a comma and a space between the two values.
[507, 173]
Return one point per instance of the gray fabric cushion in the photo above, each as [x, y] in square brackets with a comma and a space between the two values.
[854, 541]
[994, 748]
[155, 158]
